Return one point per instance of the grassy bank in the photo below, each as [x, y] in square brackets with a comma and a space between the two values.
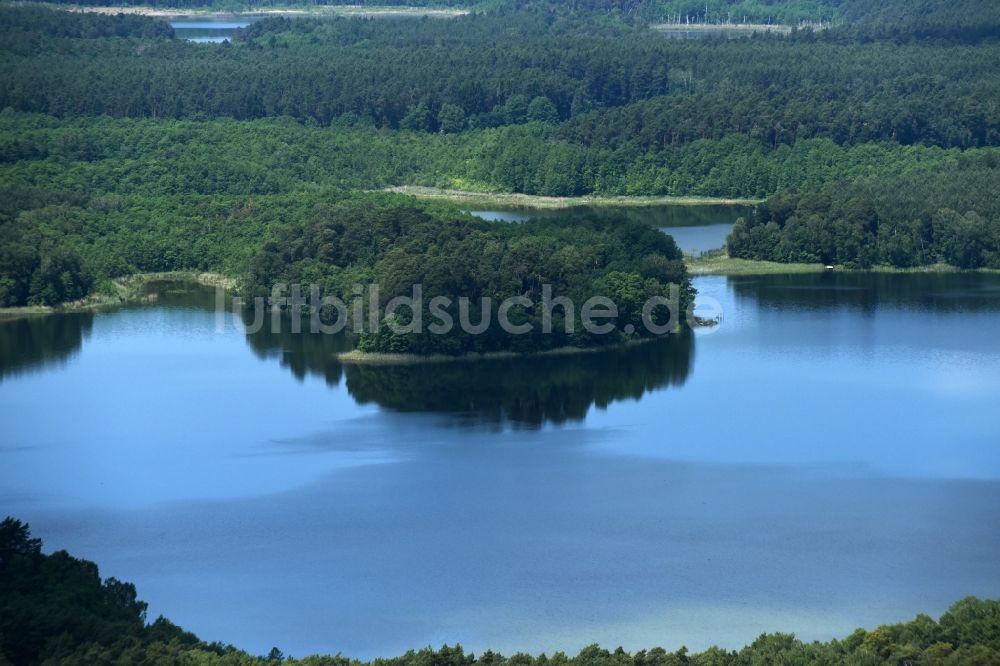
[356, 357]
[128, 289]
[722, 264]
[726, 27]
[132, 289]
[487, 199]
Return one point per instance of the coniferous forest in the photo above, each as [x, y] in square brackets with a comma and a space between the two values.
[124, 149]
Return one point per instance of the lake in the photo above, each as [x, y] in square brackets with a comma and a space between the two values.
[696, 229]
[216, 29]
[682, 30]
[826, 458]
[209, 29]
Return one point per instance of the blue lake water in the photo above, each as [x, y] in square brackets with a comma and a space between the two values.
[208, 29]
[825, 458]
[697, 229]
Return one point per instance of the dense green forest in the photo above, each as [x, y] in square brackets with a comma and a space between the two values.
[44, 160]
[56, 610]
[948, 214]
[923, 19]
[617, 82]
[84, 201]
[336, 240]
[124, 149]
[887, 17]
[398, 245]
[783, 11]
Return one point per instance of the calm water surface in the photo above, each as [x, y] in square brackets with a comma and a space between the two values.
[209, 29]
[696, 229]
[826, 458]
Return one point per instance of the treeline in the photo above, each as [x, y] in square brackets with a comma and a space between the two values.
[947, 215]
[906, 20]
[789, 12]
[777, 11]
[45, 161]
[88, 200]
[897, 19]
[51, 605]
[322, 69]
[56, 610]
[739, 11]
[614, 82]
[920, 18]
[60, 252]
[780, 90]
[25, 26]
[396, 245]
[85, 201]
[335, 240]
[533, 101]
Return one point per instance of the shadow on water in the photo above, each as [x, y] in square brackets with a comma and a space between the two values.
[657, 216]
[867, 292]
[33, 343]
[527, 392]
[696, 229]
[303, 354]
[523, 392]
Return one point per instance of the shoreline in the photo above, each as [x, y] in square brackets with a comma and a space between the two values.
[355, 11]
[356, 357]
[728, 27]
[729, 266]
[128, 289]
[556, 203]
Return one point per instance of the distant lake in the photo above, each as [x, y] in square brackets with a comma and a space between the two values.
[824, 459]
[701, 31]
[217, 29]
[696, 229]
[208, 30]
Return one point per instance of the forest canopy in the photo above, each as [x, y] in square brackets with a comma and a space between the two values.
[615, 83]
[924, 17]
[397, 245]
[124, 149]
[948, 215]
